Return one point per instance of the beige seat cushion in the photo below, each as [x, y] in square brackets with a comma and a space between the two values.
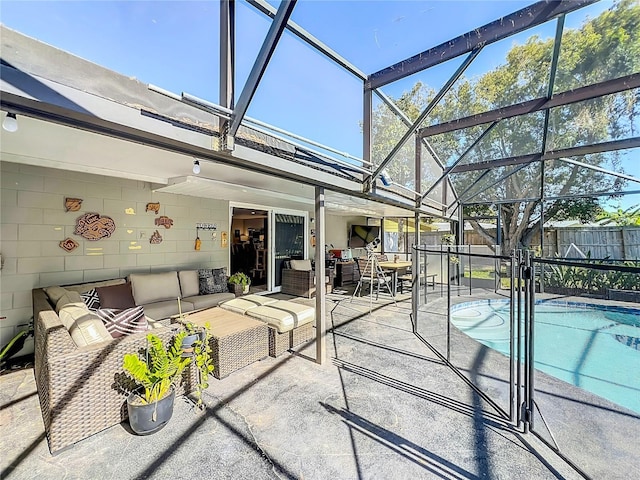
[283, 315]
[166, 309]
[301, 264]
[67, 298]
[243, 304]
[209, 300]
[73, 312]
[84, 326]
[189, 283]
[154, 287]
[55, 293]
[89, 330]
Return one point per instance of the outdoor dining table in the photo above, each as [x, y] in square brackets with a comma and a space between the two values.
[395, 268]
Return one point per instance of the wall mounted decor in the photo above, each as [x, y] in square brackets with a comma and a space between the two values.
[153, 207]
[69, 244]
[165, 221]
[223, 239]
[93, 227]
[72, 204]
[156, 238]
[207, 226]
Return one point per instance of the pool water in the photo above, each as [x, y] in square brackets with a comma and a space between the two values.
[594, 348]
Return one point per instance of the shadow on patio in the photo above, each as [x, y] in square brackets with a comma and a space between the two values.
[384, 407]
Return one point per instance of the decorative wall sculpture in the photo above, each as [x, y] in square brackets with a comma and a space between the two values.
[165, 221]
[69, 244]
[155, 238]
[153, 207]
[72, 204]
[93, 227]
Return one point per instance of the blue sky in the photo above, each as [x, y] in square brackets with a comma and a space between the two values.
[174, 44]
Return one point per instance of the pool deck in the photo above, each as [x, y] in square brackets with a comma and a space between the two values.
[384, 406]
[583, 425]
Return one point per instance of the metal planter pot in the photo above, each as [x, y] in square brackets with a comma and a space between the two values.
[146, 419]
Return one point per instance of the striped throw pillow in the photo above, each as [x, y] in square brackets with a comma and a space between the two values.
[123, 322]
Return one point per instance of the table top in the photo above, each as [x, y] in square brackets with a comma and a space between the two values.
[221, 322]
[391, 265]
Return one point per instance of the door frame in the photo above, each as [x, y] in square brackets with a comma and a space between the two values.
[271, 246]
[271, 254]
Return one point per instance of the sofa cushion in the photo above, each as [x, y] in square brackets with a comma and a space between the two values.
[301, 265]
[116, 296]
[283, 315]
[208, 301]
[55, 293]
[242, 304]
[154, 287]
[189, 285]
[89, 330]
[66, 299]
[91, 299]
[120, 323]
[73, 312]
[166, 309]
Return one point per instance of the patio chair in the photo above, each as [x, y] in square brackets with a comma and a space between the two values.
[300, 280]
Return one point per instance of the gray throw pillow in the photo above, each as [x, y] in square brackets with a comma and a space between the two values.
[212, 281]
[205, 281]
[220, 280]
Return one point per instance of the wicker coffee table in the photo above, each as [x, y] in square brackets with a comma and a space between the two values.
[236, 340]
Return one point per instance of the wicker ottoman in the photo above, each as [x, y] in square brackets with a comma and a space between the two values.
[290, 324]
[236, 340]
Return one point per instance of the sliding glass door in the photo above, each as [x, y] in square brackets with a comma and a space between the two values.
[290, 234]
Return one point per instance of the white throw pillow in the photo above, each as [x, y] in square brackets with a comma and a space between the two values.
[88, 330]
[72, 312]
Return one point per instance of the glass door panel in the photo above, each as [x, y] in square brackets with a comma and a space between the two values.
[290, 241]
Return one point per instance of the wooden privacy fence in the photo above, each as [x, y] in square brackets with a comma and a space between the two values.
[619, 243]
[616, 243]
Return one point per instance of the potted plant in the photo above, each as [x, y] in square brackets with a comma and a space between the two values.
[150, 406]
[239, 283]
[195, 333]
[197, 345]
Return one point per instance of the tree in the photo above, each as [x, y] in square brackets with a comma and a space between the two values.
[605, 47]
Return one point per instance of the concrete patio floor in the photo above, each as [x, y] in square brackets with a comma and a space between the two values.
[383, 406]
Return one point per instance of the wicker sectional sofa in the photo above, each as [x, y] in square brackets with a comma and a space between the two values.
[78, 386]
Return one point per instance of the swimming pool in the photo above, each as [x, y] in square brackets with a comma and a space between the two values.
[594, 347]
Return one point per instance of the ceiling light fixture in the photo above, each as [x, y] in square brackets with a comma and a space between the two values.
[10, 123]
[196, 167]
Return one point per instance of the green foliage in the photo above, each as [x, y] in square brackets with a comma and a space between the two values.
[202, 358]
[160, 369]
[605, 47]
[590, 279]
[629, 217]
[239, 278]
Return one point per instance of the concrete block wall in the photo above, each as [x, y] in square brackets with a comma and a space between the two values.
[33, 221]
